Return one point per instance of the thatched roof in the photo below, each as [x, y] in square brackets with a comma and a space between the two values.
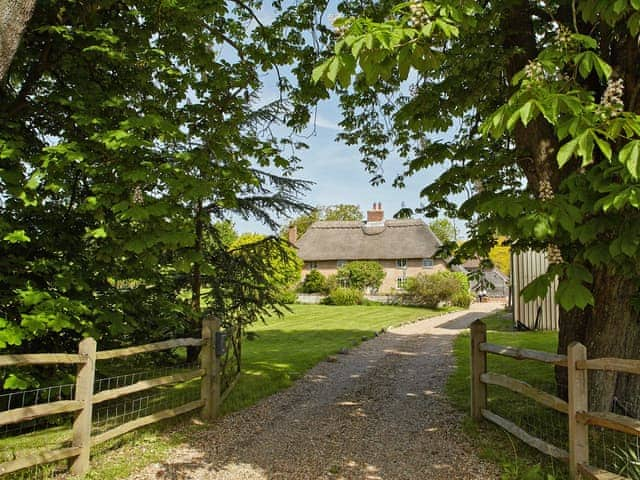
[391, 239]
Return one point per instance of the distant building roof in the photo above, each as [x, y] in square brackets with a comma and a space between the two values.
[389, 239]
[471, 264]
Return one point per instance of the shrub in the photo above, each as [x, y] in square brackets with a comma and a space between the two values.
[431, 290]
[331, 283]
[462, 299]
[361, 275]
[289, 297]
[344, 296]
[314, 282]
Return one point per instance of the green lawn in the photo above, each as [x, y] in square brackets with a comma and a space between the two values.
[287, 347]
[517, 460]
[282, 351]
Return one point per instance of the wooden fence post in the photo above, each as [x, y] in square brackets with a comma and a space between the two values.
[578, 402]
[210, 387]
[478, 367]
[84, 393]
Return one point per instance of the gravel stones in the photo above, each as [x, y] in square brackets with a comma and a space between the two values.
[377, 414]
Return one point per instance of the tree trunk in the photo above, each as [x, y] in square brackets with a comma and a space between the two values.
[610, 329]
[14, 16]
[196, 280]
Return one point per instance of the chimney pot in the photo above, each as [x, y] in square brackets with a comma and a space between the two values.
[376, 214]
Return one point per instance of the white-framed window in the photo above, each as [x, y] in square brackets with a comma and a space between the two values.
[401, 263]
[401, 282]
[313, 265]
[341, 263]
[427, 263]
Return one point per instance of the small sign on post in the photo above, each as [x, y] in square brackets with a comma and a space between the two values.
[221, 343]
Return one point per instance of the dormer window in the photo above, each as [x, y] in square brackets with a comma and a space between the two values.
[401, 263]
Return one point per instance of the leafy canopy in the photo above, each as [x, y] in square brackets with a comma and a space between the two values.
[542, 102]
[128, 131]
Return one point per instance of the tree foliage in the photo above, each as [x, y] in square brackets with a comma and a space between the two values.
[500, 255]
[431, 290]
[444, 229]
[542, 100]
[277, 257]
[127, 131]
[314, 282]
[339, 212]
[361, 275]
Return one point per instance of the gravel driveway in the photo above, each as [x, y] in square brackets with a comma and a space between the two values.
[378, 412]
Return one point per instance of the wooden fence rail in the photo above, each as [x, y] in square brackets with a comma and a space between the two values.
[85, 398]
[578, 415]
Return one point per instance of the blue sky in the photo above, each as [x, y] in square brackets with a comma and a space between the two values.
[335, 168]
[340, 177]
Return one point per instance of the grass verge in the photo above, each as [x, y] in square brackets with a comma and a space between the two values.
[517, 460]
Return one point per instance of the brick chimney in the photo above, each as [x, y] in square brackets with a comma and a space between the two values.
[376, 214]
[293, 234]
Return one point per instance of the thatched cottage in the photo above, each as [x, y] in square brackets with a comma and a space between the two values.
[404, 248]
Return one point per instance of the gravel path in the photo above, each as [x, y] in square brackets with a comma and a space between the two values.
[377, 413]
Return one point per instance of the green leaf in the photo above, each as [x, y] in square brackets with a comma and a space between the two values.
[585, 147]
[578, 273]
[17, 236]
[14, 382]
[604, 147]
[333, 69]
[630, 157]
[357, 47]
[34, 180]
[319, 71]
[527, 112]
[585, 40]
[97, 233]
[603, 69]
[571, 294]
[566, 152]
[538, 288]
[584, 61]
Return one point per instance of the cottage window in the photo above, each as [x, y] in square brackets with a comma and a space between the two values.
[401, 263]
[401, 282]
[313, 265]
[341, 263]
[427, 263]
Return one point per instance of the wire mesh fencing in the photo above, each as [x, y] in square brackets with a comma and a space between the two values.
[54, 432]
[546, 424]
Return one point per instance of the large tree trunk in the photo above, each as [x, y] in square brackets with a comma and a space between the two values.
[14, 16]
[196, 280]
[610, 329]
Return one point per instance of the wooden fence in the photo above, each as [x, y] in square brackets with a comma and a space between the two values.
[577, 409]
[82, 404]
